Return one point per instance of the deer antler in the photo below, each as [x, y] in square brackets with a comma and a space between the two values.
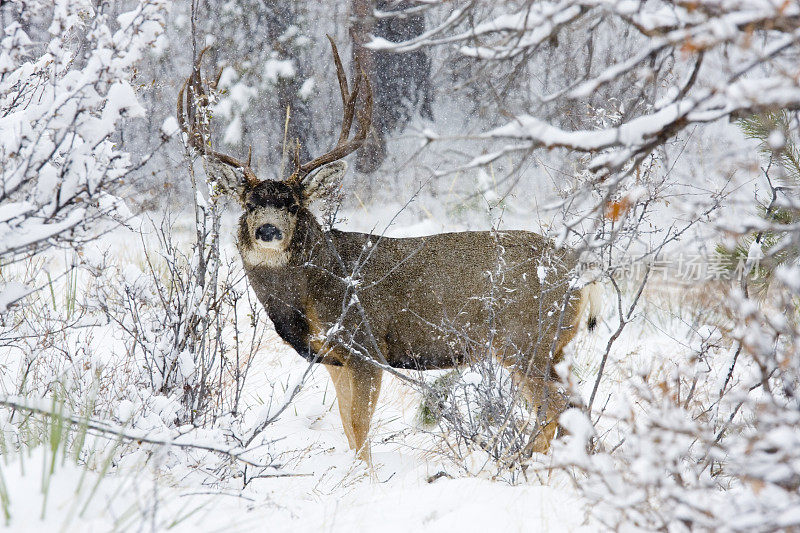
[343, 145]
[197, 129]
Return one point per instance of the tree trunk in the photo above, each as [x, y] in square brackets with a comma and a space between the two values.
[400, 82]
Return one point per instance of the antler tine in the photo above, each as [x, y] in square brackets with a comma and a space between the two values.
[196, 130]
[339, 70]
[348, 111]
[349, 100]
[196, 94]
[183, 119]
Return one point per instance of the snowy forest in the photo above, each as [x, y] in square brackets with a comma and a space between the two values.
[400, 265]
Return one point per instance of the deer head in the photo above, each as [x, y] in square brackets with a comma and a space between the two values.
[271, 207]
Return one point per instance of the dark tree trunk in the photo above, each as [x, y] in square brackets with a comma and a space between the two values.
[401, 82]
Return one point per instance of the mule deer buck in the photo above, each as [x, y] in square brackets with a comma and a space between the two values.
[360, 303]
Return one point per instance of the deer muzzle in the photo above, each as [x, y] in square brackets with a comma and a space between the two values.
[268, 233]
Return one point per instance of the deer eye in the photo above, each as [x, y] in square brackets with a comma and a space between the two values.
[293, 208]
[250, 206]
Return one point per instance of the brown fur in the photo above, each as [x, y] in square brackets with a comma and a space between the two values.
[429, 302]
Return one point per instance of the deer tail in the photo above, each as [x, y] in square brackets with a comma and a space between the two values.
[592, 294]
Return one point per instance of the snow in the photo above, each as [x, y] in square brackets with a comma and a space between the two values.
[121, 99]
[379, 43]
[279, 68]
[470, 505]
[233, 133]
[306, 90]
[170, 126]
[541, 273]
[11, 293]
[790, 275]
[472, 378]
[661, 405]
[241, 94]
[776, 140]
[404, 504]
[326, 485]
[754, 253]
[632, 133]
[538, 24]
[114, 207]
[227, 78]
[11, 238]
[13, 210]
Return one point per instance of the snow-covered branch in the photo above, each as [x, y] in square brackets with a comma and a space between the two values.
[64, 95]
[176, 438]
[725, 59]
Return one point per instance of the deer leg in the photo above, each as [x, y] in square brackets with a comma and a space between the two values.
[546, 403]
[365, 386]
[340, 375]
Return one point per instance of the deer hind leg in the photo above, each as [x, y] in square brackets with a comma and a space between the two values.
[340, 375]
[546, 403]
[365, 383]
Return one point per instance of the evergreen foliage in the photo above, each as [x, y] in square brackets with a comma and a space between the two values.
[778, 143]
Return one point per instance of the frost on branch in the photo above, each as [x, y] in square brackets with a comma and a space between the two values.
[64, 94]
[699, 62]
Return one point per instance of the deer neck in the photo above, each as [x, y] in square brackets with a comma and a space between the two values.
[283, 288]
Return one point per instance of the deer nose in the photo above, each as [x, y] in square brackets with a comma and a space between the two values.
[268, 232]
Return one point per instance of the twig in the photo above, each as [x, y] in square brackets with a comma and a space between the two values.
[105, 429]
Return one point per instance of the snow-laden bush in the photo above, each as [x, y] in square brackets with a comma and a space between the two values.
[64, 93]
[485, 426]
[706, 440]
[136, 350]
[192, 332]
[54, 476]
[67, 77]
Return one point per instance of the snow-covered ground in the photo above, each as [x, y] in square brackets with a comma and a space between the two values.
[413, 485]
[618, 127]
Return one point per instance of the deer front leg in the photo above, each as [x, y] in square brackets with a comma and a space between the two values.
[365, 387]
[340, 376]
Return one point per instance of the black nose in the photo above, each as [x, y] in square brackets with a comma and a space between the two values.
[268, 232]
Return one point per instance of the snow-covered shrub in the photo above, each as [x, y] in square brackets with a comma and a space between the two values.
[54, 475]
[703, 440]
[136, 348]
[184, 325]
[67, 72]
[64, 92]
[485, 425]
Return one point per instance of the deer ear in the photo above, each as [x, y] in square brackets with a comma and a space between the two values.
[229, 180]
[323, 181]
